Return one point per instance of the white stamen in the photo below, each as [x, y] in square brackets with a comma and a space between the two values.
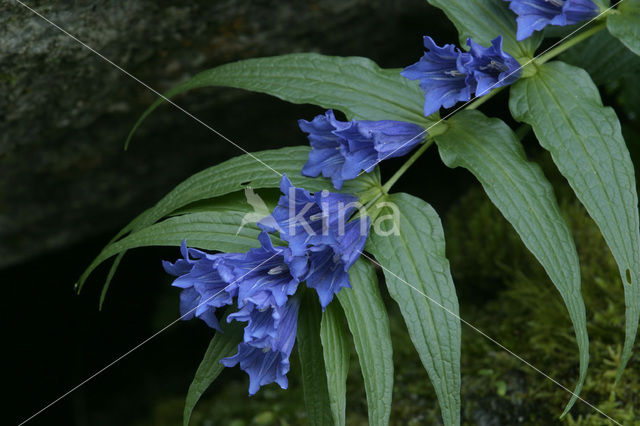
[317, 216]
[277, 270]
[454, 73]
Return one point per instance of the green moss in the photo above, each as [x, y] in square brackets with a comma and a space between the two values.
[528, 317]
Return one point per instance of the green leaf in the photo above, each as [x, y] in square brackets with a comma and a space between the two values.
[490, 150]
[604, 57]
[242, 172]
[484, 20]
[314, 379]
[234, 175]
[564, 108]
[207, 231]
[354, 85]
[369, 324]
[335, 347]
[409, 246]
[222, 345]
[625, 24]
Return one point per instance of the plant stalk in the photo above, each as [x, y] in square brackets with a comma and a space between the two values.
[479, 101]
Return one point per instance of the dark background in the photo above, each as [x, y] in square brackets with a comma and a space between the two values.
[66, 185]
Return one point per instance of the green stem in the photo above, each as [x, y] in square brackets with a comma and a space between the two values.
[406, 165]
[475, 104]
[569, 43]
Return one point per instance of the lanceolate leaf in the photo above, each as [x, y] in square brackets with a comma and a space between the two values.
[335, 347]
[418, 278]
[604, 57]
[625, 24]
[222, 345]
[208, 231]
[314, 379]
[353, 85]
[565, 110]
[240, 173]
[231, 176]
[484, 20]
[369, 324]
[491, 151]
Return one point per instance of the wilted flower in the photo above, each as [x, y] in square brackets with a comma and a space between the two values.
[342, 150]
[534, 15]
[443, 76]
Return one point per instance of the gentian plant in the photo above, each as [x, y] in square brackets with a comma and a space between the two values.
[301, 269]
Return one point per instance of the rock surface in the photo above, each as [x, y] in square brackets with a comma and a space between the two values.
[65, 112]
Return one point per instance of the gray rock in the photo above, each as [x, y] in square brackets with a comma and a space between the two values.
[65, 112]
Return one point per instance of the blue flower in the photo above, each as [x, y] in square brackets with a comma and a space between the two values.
[534, 15]
[491, 67]
[268, 340]
[342, 150]
[204, 289]
[264, 276]
[304, 219]
[443, 76]
[329, 265]
[327, 153]
[370, 142]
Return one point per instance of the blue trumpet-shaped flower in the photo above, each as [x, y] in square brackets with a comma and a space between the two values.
[323, 245]
[534, 15]
[443, 76]
[342, 150]
[370, 142]
[268, 340]
[329, 265]
[448, 76]
[264, 276]
[491, 67]
[304, 219]
[328, 149]
[204, 289]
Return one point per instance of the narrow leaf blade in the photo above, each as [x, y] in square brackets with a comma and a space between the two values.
[419, 280]
[231, 176]
[369, 324]
[335, 348]
[584, 138]
[222, 345]
[206, 230]
[353, 85]
[490, 150]
[314, 379]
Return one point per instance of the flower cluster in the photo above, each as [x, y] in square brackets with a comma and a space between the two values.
[447, 75]
[342, 150]
[534, 15]
[322, 246]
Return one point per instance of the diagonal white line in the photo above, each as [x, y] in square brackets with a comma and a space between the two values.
[280, 174]
[86, 46]
[495, 84]
[491, 339]
[138, 346]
